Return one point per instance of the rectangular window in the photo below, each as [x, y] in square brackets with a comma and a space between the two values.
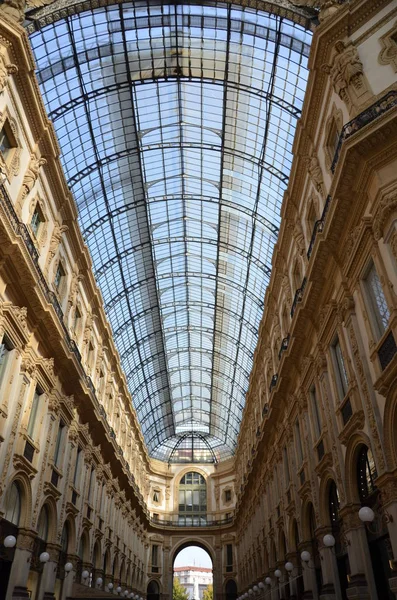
[33, 413]
[229, 555]
[340, 369]
[37, 220]
[76, 321]
[59, 444]
[6, 142]
[91, 485]
[155, 557]
[228, 495]
[298, 443]
[5, 349]
[59, 276]
[376, 301]
[316, 418]
[77, 467]
[286, 467]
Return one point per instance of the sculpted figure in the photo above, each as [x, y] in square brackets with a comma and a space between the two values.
[315, 172]
[345, 69]
[5, 72]
[13, 9]
[32, 174]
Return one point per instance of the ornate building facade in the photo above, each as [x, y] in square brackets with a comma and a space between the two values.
[300, 499]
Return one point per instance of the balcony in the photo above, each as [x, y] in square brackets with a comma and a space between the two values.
[380, 107]
[180, 520]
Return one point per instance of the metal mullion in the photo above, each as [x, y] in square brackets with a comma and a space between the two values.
[87, 112]
[180, 115]
[71, 104]
[268, 118]
[225, 80]
[134, 117]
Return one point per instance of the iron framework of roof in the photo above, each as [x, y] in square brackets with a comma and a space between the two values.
[176, 123]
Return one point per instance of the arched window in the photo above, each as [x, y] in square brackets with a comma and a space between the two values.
[333, 504]
[65, 538]
[42, 527]
[366, 473]
[13, 508]
[192, 499]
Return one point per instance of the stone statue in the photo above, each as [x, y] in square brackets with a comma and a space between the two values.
[345, 70]
[5, 71]
[32, 175]
[315, 172]
[55, 240]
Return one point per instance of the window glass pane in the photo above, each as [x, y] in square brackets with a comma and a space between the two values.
[33, 413]
[341, 373]
[13, 508]
[378, 304]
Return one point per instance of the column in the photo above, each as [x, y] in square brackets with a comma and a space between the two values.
[17, 585]
[69, 577]
[48, 576]
[361, 583]
[308, 572]
[329, 569]
[387, 486]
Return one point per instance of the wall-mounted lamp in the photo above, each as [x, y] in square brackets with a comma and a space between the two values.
[110, 586]
[277, 573]
[367, 516]
[261, 585]
[44, 557]
[289, 567]
[268, 581]
[99, 581]
[10, 541]
[118, 589]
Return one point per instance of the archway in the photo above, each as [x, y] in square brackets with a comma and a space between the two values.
[192, 565]
[153, 590]
[231, 590]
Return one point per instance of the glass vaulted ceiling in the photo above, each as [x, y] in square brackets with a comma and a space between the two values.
[176, 125]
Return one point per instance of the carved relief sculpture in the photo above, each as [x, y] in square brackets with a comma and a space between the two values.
[347, 75]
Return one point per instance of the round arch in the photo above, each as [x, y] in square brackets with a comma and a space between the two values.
[352, 451]
[153, 590]
[180, 545]
[25, 492]
[203, 544]
[230, 589]
[390, 428]
[326, 482]
[52, 514]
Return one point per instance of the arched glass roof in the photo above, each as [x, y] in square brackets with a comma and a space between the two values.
[176, 124]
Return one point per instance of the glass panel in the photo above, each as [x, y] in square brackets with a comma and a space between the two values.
[13, 507]
[176, 127]
[377, 299]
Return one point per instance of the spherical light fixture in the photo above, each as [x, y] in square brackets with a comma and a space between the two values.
[250, 591]
[118, 589]
[99, 581]
[85, 574]
[366, 514]
[329, 540]
[68, 567]
[126, 593]
[261, 585]
[277, 573]
[256, 589]
[268, 581]
[305, 556]
[44, 557]
[110, 586]
[10, 541]
[289, 567]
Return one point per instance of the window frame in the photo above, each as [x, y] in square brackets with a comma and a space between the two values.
[339, 368]
[371, 305]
